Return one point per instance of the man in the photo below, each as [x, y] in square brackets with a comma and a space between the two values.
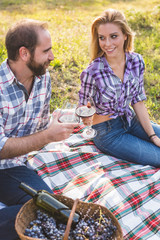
[25, 91]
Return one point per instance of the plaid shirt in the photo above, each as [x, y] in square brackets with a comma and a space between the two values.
[110, 94]
[20, 114]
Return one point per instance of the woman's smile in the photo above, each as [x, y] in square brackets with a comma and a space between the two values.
[111, 39]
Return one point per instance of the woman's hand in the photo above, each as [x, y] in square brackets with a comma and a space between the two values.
[156, 140]
[87, 121]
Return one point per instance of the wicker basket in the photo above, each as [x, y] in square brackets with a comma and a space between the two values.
[28, 213]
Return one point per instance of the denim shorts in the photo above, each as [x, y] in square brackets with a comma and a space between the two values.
[116, 138]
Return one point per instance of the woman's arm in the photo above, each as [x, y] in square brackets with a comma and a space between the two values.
[143, 117]
[87, 89]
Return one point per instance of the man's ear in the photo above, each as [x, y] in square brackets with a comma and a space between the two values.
[24, 54]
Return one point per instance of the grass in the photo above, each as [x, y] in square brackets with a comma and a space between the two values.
[69, 24]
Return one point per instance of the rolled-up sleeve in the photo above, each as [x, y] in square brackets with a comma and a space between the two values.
[140, 93]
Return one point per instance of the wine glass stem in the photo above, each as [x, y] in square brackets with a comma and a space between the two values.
[89, 128]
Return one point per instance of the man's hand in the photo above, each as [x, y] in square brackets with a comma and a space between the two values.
[59, 131]
[21, 145]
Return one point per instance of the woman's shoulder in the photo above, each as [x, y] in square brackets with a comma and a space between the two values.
[135, 62]
[96, 65]
[134, 57]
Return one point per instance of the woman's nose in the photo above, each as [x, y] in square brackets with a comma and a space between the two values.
[107, 42]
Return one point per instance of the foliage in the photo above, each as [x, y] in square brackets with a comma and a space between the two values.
[69, 24]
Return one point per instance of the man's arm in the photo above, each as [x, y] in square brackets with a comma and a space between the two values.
[23, 145]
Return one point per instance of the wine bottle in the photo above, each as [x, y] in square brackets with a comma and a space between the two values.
[47, 202]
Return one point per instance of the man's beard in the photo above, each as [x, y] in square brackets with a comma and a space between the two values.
[37, 69]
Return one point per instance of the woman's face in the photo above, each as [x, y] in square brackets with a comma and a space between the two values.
[111, 39]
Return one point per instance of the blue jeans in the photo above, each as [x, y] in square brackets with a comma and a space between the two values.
[116, 138]
[14, 197]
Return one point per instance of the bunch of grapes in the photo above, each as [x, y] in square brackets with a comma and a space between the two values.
[46, 227]
[100, 228]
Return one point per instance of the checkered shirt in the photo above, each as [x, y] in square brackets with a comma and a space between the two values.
[21, 115]
[110, 94]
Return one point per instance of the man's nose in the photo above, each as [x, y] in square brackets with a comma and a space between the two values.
[51, 56]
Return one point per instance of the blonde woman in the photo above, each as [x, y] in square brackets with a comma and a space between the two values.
[114, 79]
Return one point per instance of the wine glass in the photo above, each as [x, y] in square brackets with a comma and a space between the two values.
[85, 112]
[66, 115]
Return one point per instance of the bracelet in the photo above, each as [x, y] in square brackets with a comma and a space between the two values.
[153, 138]
[152, 135]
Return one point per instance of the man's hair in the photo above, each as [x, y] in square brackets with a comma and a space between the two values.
[23, 33]
[114, 17]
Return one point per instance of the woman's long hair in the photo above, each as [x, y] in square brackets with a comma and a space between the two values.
[114, 17]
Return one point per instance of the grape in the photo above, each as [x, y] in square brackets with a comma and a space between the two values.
[93, 228]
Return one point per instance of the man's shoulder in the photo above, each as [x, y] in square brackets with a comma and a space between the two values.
[3, 72]
[3, 67]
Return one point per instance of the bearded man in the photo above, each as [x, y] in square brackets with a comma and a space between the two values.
[25, 92]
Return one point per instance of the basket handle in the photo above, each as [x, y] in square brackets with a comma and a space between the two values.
[69, 223]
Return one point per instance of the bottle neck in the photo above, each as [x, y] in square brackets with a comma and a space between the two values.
[28, 189]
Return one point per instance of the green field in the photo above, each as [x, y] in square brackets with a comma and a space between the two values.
[69, 24]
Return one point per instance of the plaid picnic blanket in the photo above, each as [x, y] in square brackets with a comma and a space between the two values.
[130, 191]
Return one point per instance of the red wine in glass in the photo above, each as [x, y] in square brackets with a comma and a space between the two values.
[85, 112]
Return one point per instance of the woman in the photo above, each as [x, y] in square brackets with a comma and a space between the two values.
[114, 79]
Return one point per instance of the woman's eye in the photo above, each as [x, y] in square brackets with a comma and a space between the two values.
[101, 37]
[113, 36]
